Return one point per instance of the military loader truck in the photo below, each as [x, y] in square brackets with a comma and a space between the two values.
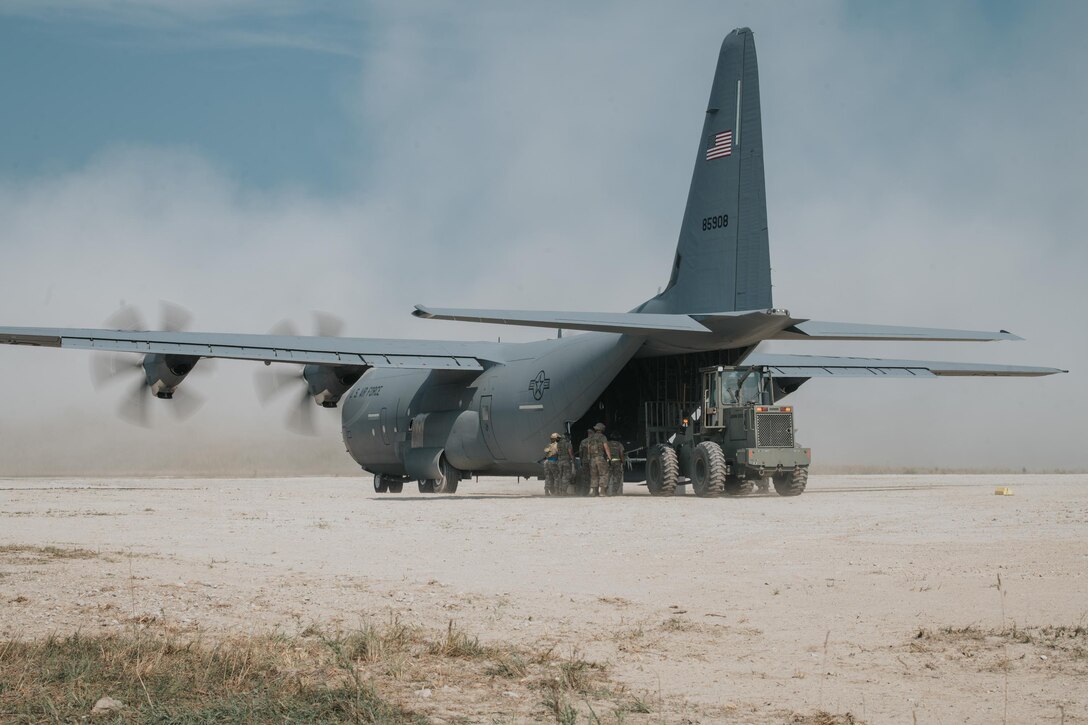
[729, 440]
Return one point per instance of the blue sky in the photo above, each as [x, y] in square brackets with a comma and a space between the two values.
[270, 114]
[253, 160]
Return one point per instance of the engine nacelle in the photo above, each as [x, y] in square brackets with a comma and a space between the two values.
[328, 383]
[165, 372]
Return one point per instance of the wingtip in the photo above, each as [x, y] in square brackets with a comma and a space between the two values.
[1009, 336]
[421, 311]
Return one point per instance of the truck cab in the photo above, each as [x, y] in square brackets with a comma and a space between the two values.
[735, 437]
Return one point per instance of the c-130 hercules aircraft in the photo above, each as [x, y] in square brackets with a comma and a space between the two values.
[437, 411]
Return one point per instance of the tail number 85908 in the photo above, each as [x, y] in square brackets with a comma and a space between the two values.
[715, 222]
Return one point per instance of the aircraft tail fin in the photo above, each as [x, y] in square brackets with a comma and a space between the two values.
[722, 261]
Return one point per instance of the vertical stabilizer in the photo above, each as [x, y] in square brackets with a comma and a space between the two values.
[722, 259]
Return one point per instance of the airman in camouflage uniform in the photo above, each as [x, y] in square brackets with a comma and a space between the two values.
[566, 466]
[581, 472]
[551, 466]
[595, 454]
[615, 466]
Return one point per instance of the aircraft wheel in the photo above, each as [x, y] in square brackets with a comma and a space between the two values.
[450, 477]
[380, 484]
[426, 485]
[791, 483]
[662, 470]
[708, 469]
[396, 487]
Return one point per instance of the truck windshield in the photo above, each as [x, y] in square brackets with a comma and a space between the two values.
[740, 387]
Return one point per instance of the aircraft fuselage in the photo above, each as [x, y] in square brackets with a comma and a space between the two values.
[399, 422]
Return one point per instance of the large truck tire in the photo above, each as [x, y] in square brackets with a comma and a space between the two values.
[708, 469]
[662, 471]
[791, 483]
[738, 486]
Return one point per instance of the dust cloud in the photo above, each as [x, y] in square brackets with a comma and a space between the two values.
[894, 197]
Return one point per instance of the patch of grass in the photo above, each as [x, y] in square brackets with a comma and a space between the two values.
[971, 631]
[676, 624]
[821, 717]
[458, 644]
[320, 674]
[511, 666]
[632, 639]
[374, 643]
[556, 704]
[267, 678]
[1048, 636]
[1051, 635]
[578, 674]
[616, 601]
[1057, 642]
[543, 656]
[635, 705]
[45, 553]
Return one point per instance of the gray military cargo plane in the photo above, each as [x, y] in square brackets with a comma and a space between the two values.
[436, 411]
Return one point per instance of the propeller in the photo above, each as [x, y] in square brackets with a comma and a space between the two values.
[274, 381]
[108, 368]
[174, 318]
[327, 325]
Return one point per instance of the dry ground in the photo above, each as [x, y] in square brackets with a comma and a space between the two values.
[873, 598]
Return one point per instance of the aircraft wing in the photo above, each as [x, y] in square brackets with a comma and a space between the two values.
[816, 330]
[363, 352]
[818, 366]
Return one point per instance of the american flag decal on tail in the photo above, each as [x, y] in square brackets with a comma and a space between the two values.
[719, 145]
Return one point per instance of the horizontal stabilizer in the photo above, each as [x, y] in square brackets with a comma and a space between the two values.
[631, 323]
[817, 330]
[816, 366]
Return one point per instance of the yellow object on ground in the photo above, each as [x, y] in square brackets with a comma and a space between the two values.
[1003, 491]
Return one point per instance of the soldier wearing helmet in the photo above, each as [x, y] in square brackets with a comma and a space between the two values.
[595, 453]
[616, 462]
[551, 466]
[566, 466]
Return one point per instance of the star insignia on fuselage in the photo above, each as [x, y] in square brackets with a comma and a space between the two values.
[539, 384]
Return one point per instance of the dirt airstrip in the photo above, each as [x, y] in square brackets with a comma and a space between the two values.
[880, 599]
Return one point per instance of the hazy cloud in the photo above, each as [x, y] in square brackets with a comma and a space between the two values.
[327, 27]
[921, 170]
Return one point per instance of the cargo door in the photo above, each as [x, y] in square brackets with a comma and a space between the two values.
[487, 425]
[386, 426]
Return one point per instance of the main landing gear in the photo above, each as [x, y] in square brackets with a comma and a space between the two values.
[447, 483]
[388, 484]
